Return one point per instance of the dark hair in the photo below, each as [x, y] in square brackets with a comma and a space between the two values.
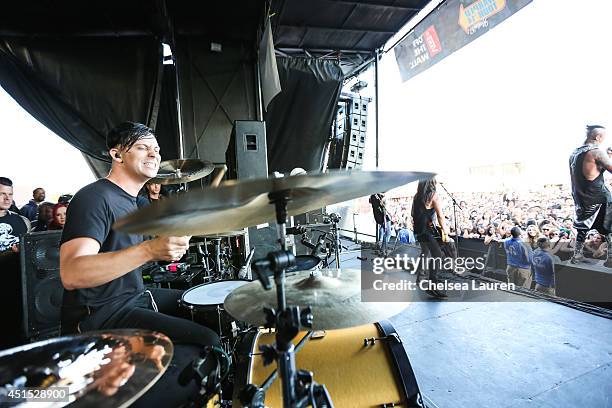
[36, 189]
[592, 131]
[425, 192]
[126, 134]
[516, 232]
[543, 242]
[5, 181]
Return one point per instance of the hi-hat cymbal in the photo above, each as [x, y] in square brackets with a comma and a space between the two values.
[238, 204]
[111, 368]
[182, 171]
[334, 295]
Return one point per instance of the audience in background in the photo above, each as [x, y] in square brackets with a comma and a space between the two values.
[12, 225]
[30, 210]
[543, 267]
[45, 216]
[150, 193]
[59, 217]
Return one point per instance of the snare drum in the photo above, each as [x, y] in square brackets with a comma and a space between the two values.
[358, 368]
[205, 302]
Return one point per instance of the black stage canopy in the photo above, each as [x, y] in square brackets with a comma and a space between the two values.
[80, 67]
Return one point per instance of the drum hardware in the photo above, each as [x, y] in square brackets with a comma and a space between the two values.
[298, 386]
[210, 382]
[320, 249]
[250, 394]
[370, 341]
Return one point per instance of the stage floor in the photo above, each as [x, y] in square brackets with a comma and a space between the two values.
[506, 354]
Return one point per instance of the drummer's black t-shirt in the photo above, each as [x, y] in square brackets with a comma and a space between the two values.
[91, 213]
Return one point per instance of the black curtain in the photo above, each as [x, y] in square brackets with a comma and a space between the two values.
[298, 119]
[82, 87]
[167, 119]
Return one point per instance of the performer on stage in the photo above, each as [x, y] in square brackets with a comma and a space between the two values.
[383, 221]
[592, 199]
[100, 267]
[429, 226]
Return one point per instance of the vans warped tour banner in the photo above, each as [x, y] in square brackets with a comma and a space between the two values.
[453, 25]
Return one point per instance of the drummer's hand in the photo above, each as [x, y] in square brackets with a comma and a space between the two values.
[167, 248]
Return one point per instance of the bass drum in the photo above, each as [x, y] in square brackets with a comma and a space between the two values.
[364, 366]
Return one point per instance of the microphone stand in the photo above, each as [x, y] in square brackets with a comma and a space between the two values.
[455, 205]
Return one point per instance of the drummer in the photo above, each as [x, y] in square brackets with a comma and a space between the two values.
[100, 267]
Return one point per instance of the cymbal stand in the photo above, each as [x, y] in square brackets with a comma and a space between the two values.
[298, 386]
[203, 251]
[335, 219]
[218, 269]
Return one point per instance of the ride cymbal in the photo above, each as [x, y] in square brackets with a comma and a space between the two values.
[333, 294]
[182, 171]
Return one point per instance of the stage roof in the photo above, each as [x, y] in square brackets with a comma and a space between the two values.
[347, 30]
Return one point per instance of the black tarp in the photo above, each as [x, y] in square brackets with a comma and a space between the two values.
[298, 119]
[167, 118]
[82, 87]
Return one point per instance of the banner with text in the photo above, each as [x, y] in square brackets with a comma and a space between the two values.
[453, 25]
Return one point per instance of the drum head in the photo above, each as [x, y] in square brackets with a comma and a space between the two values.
[210, 294]
[304, 263]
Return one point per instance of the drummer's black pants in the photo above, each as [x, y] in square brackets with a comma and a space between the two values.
[189, 339]
[170, 319]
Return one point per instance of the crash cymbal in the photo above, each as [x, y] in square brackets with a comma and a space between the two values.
[238, 204]
[227, 234]
[334, 295]
[182, 171]
[111, 368]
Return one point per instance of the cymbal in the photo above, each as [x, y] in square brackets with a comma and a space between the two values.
[182, 171]
[245, 203]
[334, 295]
[227, 234]
[111, 368]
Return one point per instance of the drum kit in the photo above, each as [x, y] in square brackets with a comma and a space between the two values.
[347, 354]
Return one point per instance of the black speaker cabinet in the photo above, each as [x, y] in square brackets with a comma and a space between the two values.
[247, 153]
[42, 289]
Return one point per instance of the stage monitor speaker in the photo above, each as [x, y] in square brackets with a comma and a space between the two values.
[42, 289]
[247, 153]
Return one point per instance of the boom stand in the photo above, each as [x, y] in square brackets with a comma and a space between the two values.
[298, 386]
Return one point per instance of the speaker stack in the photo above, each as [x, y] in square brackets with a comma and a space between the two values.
[349, 132]
[42, 289]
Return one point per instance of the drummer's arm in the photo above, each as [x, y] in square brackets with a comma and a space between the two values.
[82, 266]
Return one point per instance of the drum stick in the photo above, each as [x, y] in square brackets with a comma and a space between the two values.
[219, 176]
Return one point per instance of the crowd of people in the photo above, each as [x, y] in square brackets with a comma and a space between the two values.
[489, 216]
[38, 215]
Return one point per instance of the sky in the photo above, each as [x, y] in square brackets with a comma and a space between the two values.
[523, 92]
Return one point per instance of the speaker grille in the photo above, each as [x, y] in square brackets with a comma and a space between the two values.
[42, 290]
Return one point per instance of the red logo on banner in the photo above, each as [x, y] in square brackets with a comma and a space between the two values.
[432, 41]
